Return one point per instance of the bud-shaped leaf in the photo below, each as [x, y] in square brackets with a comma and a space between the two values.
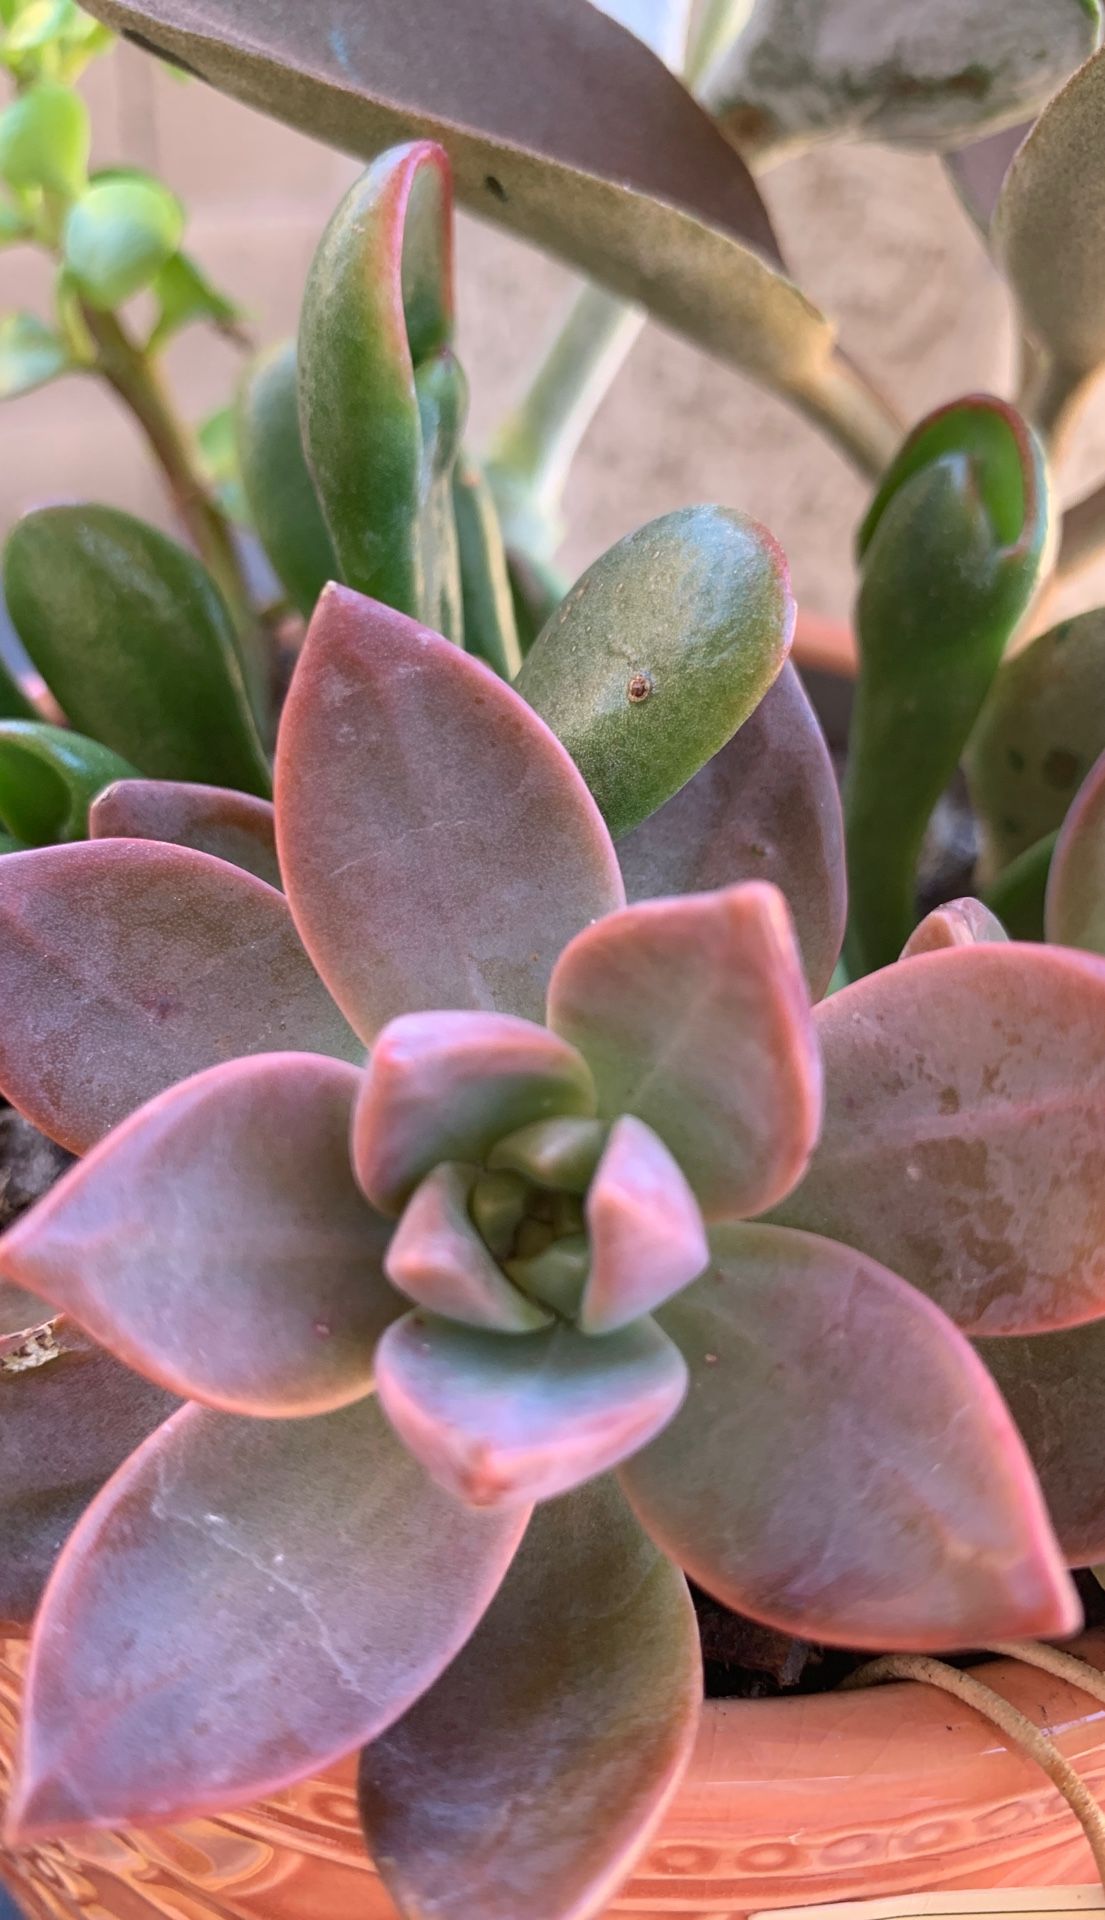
[949, 553]
[119, 235]
[1074, 913]
[44, 139]
[31, 353]
[131, 634]
[561, 1153]
[958, 923]
[217, 820]
[48, 780]
[278, 485]
[1038, 735]
[437, 1258]
[380, 398]
[490, 627]
[660, 652]
[645, 1232]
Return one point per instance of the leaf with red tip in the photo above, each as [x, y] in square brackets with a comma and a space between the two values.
[446, 1086]
[843, 1467]
[1054, 1386]
[499, 1421]
[767, 807]
[244, 1603]
[646, 1233]
[438, 1260]
[693, 1015]
[69, 1416]
[128, 965]
[217, 1241]
[958, 923]
[1074, 905]
[233, 826]
[438, 845]
[963, 1135]
[581, 1688]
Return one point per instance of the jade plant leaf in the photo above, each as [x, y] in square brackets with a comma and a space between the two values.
[498, 1422]
[490, 626]
[1018, 894]
[766, 807]
[132, 636]
[69, 1416]
[447, 1086]
[693, 1015]
[183, 293]
[233, 826]
[277, 481]
[1038, 735]
[1054, 1386]
[374, 347]
[49, 778]
[605, 1718]
[659, 653]
[958, 923]
[406, 773]
[841, 1467]
[129, 965]
[119, 235]
[1074, 911]
[644, 1229]
[31, 353]
[255, 1281]
[950, 553]
[963, 1096]
[291, 1523]
[438, 1259]
[44, 139]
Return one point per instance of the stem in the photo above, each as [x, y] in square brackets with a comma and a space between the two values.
[718, 27]
[840, 399]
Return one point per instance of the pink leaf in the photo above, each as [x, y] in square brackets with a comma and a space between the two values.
[245, 1602]
[217, 1241]
[446, 1086]
[438, 845]
[958, 923]
[128, 965]
[233, 826]
[693, 1015]
[439, 1261]
[1074, 911]
[843, 1467]
[498, 1420]
[646, 1233]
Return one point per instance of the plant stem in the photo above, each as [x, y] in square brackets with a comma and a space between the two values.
[840, 399]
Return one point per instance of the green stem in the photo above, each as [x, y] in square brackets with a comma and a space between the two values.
[840, 400]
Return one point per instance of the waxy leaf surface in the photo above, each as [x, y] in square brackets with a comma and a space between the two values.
[958, 923]
[512, 1735]
[438, 846]
[500, 1421]
[645, 1232]
[232, 826]
[278, 484]
[693, 1015]
[130, 965]
[48, 778]
[490, 625]
[345, 1583]
[1054, 1386]
[251, 1277]
[964, 1102]
[439, 1261]
[842, 1468]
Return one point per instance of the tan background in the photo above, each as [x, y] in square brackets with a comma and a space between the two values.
[876, 237]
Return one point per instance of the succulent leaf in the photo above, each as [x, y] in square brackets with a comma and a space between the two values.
[44, 139]
[277, 480]
[438, 846]
[1074, 912]
[346, 1583]
[131, 634]
[560, 1153]
[490, 627]
[1054, 1386]
[660, 652]
[31, 353]
[438, 1259]
[128, 965]
[645, 1232]
[232, 826]
[1018, 894]
[841, 1467]
[500, 1421]
[693, 1015]
[255, 1282]
[964, 1101]
[49, 777]
[606, 1718]
[765, 807]
[958, 923]
[119, 235]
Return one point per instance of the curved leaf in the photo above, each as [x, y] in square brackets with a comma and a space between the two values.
[132, 635]
[31, 353]
[255, 1280]
[408, 778]
[1054, 1384]
[692, 1014]
[437, 1258]
[277, 480]
[660, 652]
[346, 1583]
[128, 965]
[605, 1718]
[499, 1420]
[1018, 893]
[446, 1086]
[958, 923]
[645, 1232]
[119, 235]
[766, 807]
[561, 1153]
[232, 826]
[964, 1119]
[44, 139]
[490, 626]
[49, 778]
[1074, 912]
[843, 1467]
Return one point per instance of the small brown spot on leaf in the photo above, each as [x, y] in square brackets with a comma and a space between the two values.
[639, 688]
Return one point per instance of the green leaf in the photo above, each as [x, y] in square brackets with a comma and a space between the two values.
[218, 444]
[119, 236]
[278, 485]
[49, 779]
[131, 635]
[31, 354]
[1054, 1385]
[183, 294]
[374, 345]
[1074, 912]
[438, 1260]
[667, 643]
[13, 226]
[490, 628]
[44, 138]
[950, 552]
[1017, 895]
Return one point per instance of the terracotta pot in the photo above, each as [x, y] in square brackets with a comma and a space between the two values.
[788, 1803]
[824, 646]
